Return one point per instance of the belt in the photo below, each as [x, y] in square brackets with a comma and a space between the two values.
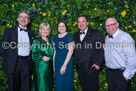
[120, 69]
[23, 57]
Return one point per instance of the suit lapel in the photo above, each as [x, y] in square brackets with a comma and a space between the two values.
[29, 35]
[15, 34]
[15, 37]
[89, 35]
[78, 37]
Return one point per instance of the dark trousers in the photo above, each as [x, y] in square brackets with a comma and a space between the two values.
[88, 79]
[20, 79]
[116, 80]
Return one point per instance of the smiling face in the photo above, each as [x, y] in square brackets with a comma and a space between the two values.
[62, 27]
[23, 19]
[45, 31]
[111, 25]
[82, 23]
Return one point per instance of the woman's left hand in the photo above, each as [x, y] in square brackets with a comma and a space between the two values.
[63, 69]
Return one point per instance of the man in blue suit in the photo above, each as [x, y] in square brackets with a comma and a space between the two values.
[16, 54]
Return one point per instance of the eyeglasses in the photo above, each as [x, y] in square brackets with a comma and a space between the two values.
[21, 17]
[111, 25]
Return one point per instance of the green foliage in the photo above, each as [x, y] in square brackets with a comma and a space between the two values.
[53, 11]
[3, 80]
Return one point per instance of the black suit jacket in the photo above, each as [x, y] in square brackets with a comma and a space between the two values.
[90, 51]
[10, 54]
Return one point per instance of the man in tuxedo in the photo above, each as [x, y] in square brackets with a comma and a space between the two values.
[16, 54]
[88, 54]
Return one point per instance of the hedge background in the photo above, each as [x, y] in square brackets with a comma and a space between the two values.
[53, 11]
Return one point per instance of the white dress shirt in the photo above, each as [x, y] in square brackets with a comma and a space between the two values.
[83, 35]
[120, 53]
[23, 43]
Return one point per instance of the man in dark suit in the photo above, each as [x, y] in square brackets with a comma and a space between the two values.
[16, 54]
[88, 54]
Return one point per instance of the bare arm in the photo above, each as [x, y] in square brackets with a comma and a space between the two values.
[54, 60]
[68, 57]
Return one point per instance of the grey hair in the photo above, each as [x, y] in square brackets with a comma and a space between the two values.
[23, 11]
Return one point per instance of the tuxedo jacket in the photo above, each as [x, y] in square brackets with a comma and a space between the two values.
[89, 51]
[10, 54]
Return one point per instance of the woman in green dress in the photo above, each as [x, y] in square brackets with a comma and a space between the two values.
[42, 56]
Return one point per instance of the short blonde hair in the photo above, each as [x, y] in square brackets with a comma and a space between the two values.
[42, 25]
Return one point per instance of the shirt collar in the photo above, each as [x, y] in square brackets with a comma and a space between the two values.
[21, 27]
[85, 30]
[116, 33]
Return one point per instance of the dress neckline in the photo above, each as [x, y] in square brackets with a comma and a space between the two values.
[63, 36]
[45, 41]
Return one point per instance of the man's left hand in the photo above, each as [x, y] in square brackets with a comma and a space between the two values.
[126, 78]
[96, 66]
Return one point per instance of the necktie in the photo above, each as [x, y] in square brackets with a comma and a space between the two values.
[110, 36]
[22, 29]
[82, 33]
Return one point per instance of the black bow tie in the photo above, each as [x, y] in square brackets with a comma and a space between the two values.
[82, 33]
[110, 36]
[22, 29]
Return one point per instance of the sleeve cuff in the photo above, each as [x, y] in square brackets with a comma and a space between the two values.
[127, 74]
